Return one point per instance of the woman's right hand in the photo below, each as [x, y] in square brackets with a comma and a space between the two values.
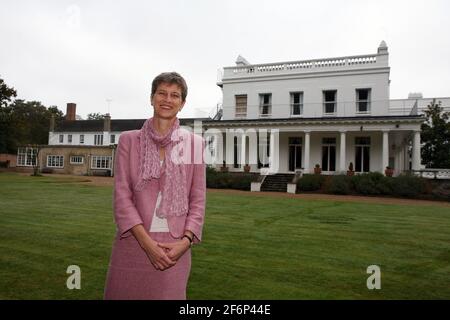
[157, 255]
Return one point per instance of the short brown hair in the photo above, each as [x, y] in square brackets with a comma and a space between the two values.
[172, 78]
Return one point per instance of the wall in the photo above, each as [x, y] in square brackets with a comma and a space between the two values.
[312, 88]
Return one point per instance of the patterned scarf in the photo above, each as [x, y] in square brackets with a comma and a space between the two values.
[173, 182]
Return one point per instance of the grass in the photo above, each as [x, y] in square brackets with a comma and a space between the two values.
[254, 247]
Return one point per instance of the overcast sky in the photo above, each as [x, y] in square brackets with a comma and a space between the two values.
[90, 51]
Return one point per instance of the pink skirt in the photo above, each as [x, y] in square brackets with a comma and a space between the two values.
[131, 275]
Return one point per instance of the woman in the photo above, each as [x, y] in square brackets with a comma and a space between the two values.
[159, 201]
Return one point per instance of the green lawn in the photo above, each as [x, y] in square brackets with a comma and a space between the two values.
[254, 247]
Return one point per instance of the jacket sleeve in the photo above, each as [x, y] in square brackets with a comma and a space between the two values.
[197, 197]
[126, 215]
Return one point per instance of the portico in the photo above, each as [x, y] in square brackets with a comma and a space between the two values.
[370, 143]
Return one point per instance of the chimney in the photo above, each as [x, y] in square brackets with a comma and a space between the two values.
[415, 95]
[107, 123]
[71, 111]
[52, 123]
[241, 61]
[383, 54]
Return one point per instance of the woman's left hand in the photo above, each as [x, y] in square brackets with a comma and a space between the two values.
[175, 250]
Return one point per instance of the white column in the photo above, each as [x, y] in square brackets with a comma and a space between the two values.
[307, 152]
[416, 151]
[229, 151]
[343, 161]
[243, 141]
[385, 161]
[274, 151]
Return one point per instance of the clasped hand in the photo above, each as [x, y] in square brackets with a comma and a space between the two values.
[165, 255]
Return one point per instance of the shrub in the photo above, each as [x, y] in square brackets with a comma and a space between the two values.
[241, 183]
[310, 182]
[339, 184]
[370, 184]
[226, 180]
[407, 185]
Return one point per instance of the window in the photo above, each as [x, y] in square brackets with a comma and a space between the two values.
[329, 102]
[263, 141]
[113, 138]
[101, 162]
[329, 154]
[81, 138]
[61, 138]
[265, 104]
[26, 157]
[362, 154]
[241, 105]
[98, 139]
[76, 160]
[210, 141]
[295, 153]
[55, 161]
[69, 138]
[296, 103]
[237, 152]
[363, 100]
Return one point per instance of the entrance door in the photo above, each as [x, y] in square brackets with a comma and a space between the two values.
[295, 153]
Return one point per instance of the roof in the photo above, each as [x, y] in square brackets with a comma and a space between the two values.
[116, 125]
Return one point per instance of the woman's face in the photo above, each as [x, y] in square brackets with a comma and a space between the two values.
[167, 101]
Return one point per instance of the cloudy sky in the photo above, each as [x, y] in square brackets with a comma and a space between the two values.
[89, 52]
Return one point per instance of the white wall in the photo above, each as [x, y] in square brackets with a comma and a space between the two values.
[88, 138]
[312, 88]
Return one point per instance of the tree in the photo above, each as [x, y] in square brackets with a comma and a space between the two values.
[95, 116]
[6, 93]
[25, 122]
[435, 136]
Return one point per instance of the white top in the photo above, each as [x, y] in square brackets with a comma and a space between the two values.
[159, 224]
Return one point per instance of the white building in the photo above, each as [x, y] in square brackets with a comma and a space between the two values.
[328, 112]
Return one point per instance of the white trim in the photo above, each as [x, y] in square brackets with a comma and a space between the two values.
[72, 162]
[61, 159]
[102, 158]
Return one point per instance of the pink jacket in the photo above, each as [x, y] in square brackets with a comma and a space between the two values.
[132, 208]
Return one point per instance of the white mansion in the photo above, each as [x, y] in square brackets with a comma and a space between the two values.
[327, 112]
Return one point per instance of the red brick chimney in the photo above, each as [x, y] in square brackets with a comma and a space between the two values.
[71, 111]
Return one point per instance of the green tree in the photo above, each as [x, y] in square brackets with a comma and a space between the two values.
[95, 116]
[26, 122]
[435, 137]
[6, 93]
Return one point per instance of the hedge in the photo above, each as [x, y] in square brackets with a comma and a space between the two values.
[226, 180]
[375, 183]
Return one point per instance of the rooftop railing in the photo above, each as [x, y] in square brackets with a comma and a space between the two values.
[299, 66]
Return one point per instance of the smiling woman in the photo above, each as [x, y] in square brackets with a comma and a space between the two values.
[159, 201]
